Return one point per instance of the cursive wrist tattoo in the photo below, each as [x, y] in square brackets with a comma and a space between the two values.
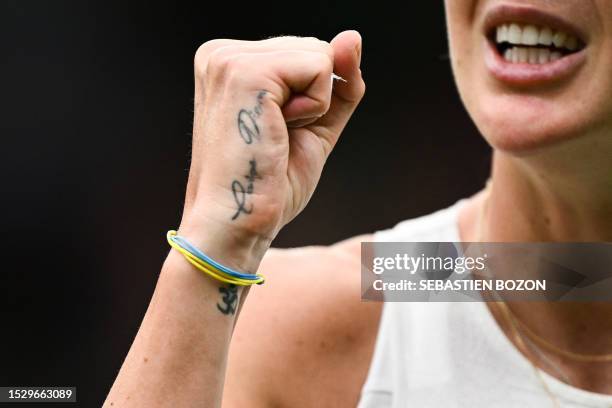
[247, 120]
[249, 130]
[240, 192]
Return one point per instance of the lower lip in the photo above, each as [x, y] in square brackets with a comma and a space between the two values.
[523, 74]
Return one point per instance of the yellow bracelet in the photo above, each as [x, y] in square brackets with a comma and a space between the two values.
[213, 269]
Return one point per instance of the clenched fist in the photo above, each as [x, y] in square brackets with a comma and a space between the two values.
[267, 115]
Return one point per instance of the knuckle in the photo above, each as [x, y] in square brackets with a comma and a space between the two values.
[227, 66]
[313, 40]
[320, 105]
[204, 52]
[324, 105]
[326, 48]
[218, 63]
[277, 38]
[328, 55]
[325, 62]
[321, 46]
[209, 46]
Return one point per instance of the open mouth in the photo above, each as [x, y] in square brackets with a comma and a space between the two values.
[530, 44]
[527, 46]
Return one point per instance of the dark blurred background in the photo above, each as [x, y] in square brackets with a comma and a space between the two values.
[96, 108]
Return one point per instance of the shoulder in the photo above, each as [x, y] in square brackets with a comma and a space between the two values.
[306, 327]
[305, 338]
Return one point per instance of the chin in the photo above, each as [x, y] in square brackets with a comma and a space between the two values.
[521, 125]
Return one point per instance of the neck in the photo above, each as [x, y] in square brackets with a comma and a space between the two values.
[541, 199]
[538, 198]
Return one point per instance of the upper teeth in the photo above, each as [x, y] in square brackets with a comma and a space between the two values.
[532, 35]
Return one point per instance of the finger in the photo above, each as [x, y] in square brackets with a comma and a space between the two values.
[282, 74]
[226, 46]
[299, 81]
[347, 47]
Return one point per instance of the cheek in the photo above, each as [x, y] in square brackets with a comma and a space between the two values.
[464, 40]
[460, 25]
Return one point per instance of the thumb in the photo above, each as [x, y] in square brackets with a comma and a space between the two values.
[346, 95]
[347, 48]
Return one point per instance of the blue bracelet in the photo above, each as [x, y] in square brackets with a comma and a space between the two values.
[183, 243]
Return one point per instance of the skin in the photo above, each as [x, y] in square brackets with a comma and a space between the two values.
[551, 168]
[298, 342]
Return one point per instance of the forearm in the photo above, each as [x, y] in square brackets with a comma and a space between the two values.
[250, 175]
[179, 355]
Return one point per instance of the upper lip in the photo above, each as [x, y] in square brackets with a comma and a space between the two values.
[503, 14]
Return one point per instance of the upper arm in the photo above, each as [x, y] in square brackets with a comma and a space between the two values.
[304, 327]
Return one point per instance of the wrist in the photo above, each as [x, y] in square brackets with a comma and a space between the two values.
[232, 246]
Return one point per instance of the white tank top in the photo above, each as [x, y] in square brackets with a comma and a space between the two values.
[448, 355]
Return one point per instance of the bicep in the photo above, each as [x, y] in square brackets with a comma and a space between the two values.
[276, 347]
